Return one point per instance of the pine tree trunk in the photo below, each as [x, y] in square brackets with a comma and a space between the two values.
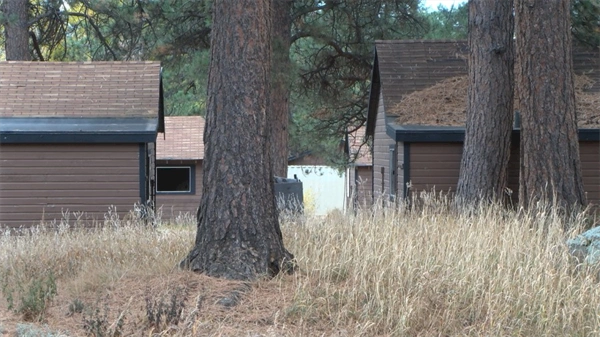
[16, 30]
[550, 165]
[238, 234]
[484, 165]
[280, 107]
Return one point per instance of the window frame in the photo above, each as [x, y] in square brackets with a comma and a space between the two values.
[192, 179]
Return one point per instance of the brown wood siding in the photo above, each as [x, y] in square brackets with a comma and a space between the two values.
[434, 166]
[589, 153]
[40, 181]
[437, 166]
[590, 168]
[365, 177]
[175, 205]
[381, 143]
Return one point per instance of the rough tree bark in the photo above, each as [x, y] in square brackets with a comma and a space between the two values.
[280, 94]
[238, 235]
[550, 165]
[484, 165]
[16, 30]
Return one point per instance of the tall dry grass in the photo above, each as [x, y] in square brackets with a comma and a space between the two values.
[420, 271]
[88, 259]
[431, 271]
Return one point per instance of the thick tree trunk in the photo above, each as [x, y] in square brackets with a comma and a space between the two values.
[550, 166]
[484, 165]
[238, 233]
[16, 30]
[280, 107]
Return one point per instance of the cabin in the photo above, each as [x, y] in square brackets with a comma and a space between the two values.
[179, 156]
[359, 173]
[417, 146]
[77, 140]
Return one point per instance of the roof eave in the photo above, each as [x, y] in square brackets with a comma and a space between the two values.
[77, 130]
[75, 137]
[456, 134]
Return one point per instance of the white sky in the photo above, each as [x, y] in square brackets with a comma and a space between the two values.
[433, 4]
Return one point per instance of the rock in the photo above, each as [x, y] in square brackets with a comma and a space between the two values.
[586, 247]
[233, 298]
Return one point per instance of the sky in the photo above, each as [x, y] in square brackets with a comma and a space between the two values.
[433, 4]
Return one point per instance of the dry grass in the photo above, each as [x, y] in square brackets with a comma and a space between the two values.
[404, 272]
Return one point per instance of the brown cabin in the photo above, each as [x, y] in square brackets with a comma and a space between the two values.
[76, 138]
[359, 173]
[414, 153]
[179, 156]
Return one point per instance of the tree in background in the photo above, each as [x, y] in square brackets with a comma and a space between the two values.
[550, 165]
[332, 49]
[238, 233]
[447, 23]
[15, 15]
[585, 23]
[486, 150]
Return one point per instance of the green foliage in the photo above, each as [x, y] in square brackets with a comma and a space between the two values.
[585, 16]
[33, 298]
[332, 52]
[447, 23]
[307, 134]
[184, 80]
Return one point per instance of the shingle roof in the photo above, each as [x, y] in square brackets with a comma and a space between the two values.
[79, 89]
[183, 139]
[405, 66]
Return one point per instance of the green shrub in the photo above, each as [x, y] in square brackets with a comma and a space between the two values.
[33, 298]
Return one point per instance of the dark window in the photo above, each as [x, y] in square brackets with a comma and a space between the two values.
[177, 179]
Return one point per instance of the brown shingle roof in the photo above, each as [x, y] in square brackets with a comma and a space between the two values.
[183, 139]
[79, 89]
[408, 66]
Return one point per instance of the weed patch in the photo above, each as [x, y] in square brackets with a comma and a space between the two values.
[166, 310]
[31, 300]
